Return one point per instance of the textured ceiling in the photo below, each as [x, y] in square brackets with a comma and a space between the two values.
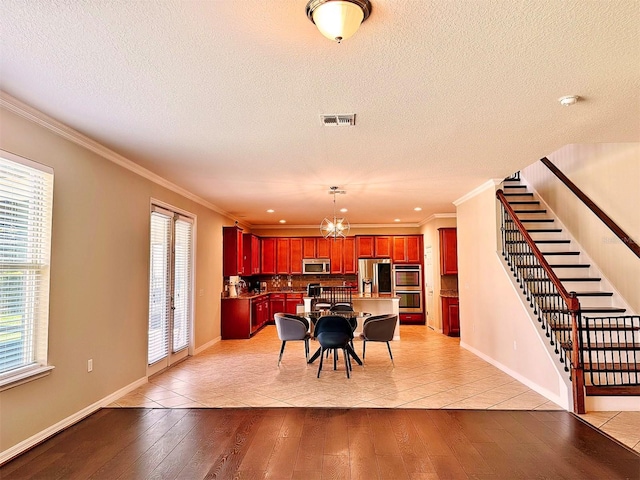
[224, 97]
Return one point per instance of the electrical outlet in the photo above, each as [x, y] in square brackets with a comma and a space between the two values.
[90, 365]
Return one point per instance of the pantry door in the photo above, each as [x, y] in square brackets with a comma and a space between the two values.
[170, 288]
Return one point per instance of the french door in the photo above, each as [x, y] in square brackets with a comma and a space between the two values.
[170, 288]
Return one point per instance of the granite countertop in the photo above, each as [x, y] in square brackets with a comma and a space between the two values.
[250, 295]
[449, 293]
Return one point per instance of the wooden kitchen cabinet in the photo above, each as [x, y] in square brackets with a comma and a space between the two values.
[282, 255]
[364, 246]
[450, 317]
[295, 256]
[349, 263]
[232, 258]
[337, 248]
[309, 247]
[242, 317]
[323, 247]
[277, 304]
[382, 246]
[251, 254]
[412, 319]
[268, 257]
[407, 249]
[292, 302]
[448, 251]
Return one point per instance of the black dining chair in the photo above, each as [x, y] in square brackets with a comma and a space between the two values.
[290, 328]
[334, 333]
[379, 328]
[341, 307]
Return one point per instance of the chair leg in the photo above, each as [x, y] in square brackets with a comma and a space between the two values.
[390, 355]
[335, 358]
[364, 346]
[281, 352]
[320, 366]
[306, 349]
[346, 362]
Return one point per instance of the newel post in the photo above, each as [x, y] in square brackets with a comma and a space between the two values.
[577, 369]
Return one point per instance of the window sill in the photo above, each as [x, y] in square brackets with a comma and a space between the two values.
[25, 375]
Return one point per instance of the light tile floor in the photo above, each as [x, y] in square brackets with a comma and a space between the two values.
[431, 371]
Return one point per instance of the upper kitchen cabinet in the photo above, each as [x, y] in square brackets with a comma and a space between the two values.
[309, 247]
[382, 246]
[337, 249]
[295, 255]
[373, 246]
[323, 247]
[283, 246]
[232, 258]
[349, 262]
[407, 249]
[251, 254]
[268, 257]
[448, 251]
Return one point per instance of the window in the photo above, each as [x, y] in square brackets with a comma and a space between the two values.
[26, 191]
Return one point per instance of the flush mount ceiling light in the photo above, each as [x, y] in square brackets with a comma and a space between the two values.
[335, 227]
[568, 100]
[338, 19]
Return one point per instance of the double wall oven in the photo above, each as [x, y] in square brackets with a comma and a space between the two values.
[407, 284]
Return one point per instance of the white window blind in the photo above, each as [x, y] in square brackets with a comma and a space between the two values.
[26, 196]
[182, 280]
[159, 284]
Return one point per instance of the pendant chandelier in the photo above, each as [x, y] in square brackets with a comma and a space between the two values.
[335, 227]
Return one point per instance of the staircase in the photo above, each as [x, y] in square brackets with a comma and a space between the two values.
[609, 346]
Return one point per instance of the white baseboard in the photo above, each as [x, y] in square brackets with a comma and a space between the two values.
[533, 386]
[612, 404]
[39, 437]
[202, 348]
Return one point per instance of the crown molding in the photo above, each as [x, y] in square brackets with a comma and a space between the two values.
[27, 112]
[478, 190]
[436, 216]
[317, 227]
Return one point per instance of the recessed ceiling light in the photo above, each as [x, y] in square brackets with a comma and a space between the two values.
[283, 221]
[271, 210]
[344, 210]
[568, 100]
[397, 220]
[418, 209]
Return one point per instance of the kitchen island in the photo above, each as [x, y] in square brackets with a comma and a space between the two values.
[375, 304]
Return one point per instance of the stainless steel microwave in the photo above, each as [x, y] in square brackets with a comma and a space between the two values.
[316, 266]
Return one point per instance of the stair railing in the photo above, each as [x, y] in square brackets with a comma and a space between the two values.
[613, 226]
[557, 310]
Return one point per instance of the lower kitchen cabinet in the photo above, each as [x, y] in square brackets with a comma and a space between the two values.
[412, 319]
[292, 302]
[277, 303]
[242, 317]
[450, 317]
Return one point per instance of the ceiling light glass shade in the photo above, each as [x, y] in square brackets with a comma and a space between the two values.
[338, 19]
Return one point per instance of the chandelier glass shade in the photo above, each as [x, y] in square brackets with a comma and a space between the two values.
[335, 227]
[338, 19]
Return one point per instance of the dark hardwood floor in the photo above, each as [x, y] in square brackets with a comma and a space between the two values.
[308, 443]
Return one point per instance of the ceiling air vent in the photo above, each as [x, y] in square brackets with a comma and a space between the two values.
[343, 120]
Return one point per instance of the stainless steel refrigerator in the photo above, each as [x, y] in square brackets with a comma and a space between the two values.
[374, 274]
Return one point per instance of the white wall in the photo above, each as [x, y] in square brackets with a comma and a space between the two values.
[494, 322]
[609, 174]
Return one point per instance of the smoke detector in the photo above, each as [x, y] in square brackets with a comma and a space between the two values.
[339, 120]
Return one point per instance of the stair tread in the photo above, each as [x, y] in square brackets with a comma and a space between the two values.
[556, 265]
[536, 230]
[590, 310]
[531, 211]
[617, 390]
[519, 194]
[525, 202]
[566, 279]
[603, 346]
[579, 294]
[544, 241]
[611, 367]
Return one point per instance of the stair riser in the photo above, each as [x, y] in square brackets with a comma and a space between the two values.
[632, 378]
[585, 302]
[545, 235]
[563, 259]
[577, 286]
[525, 206]
[612, 357]
[554, 247]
